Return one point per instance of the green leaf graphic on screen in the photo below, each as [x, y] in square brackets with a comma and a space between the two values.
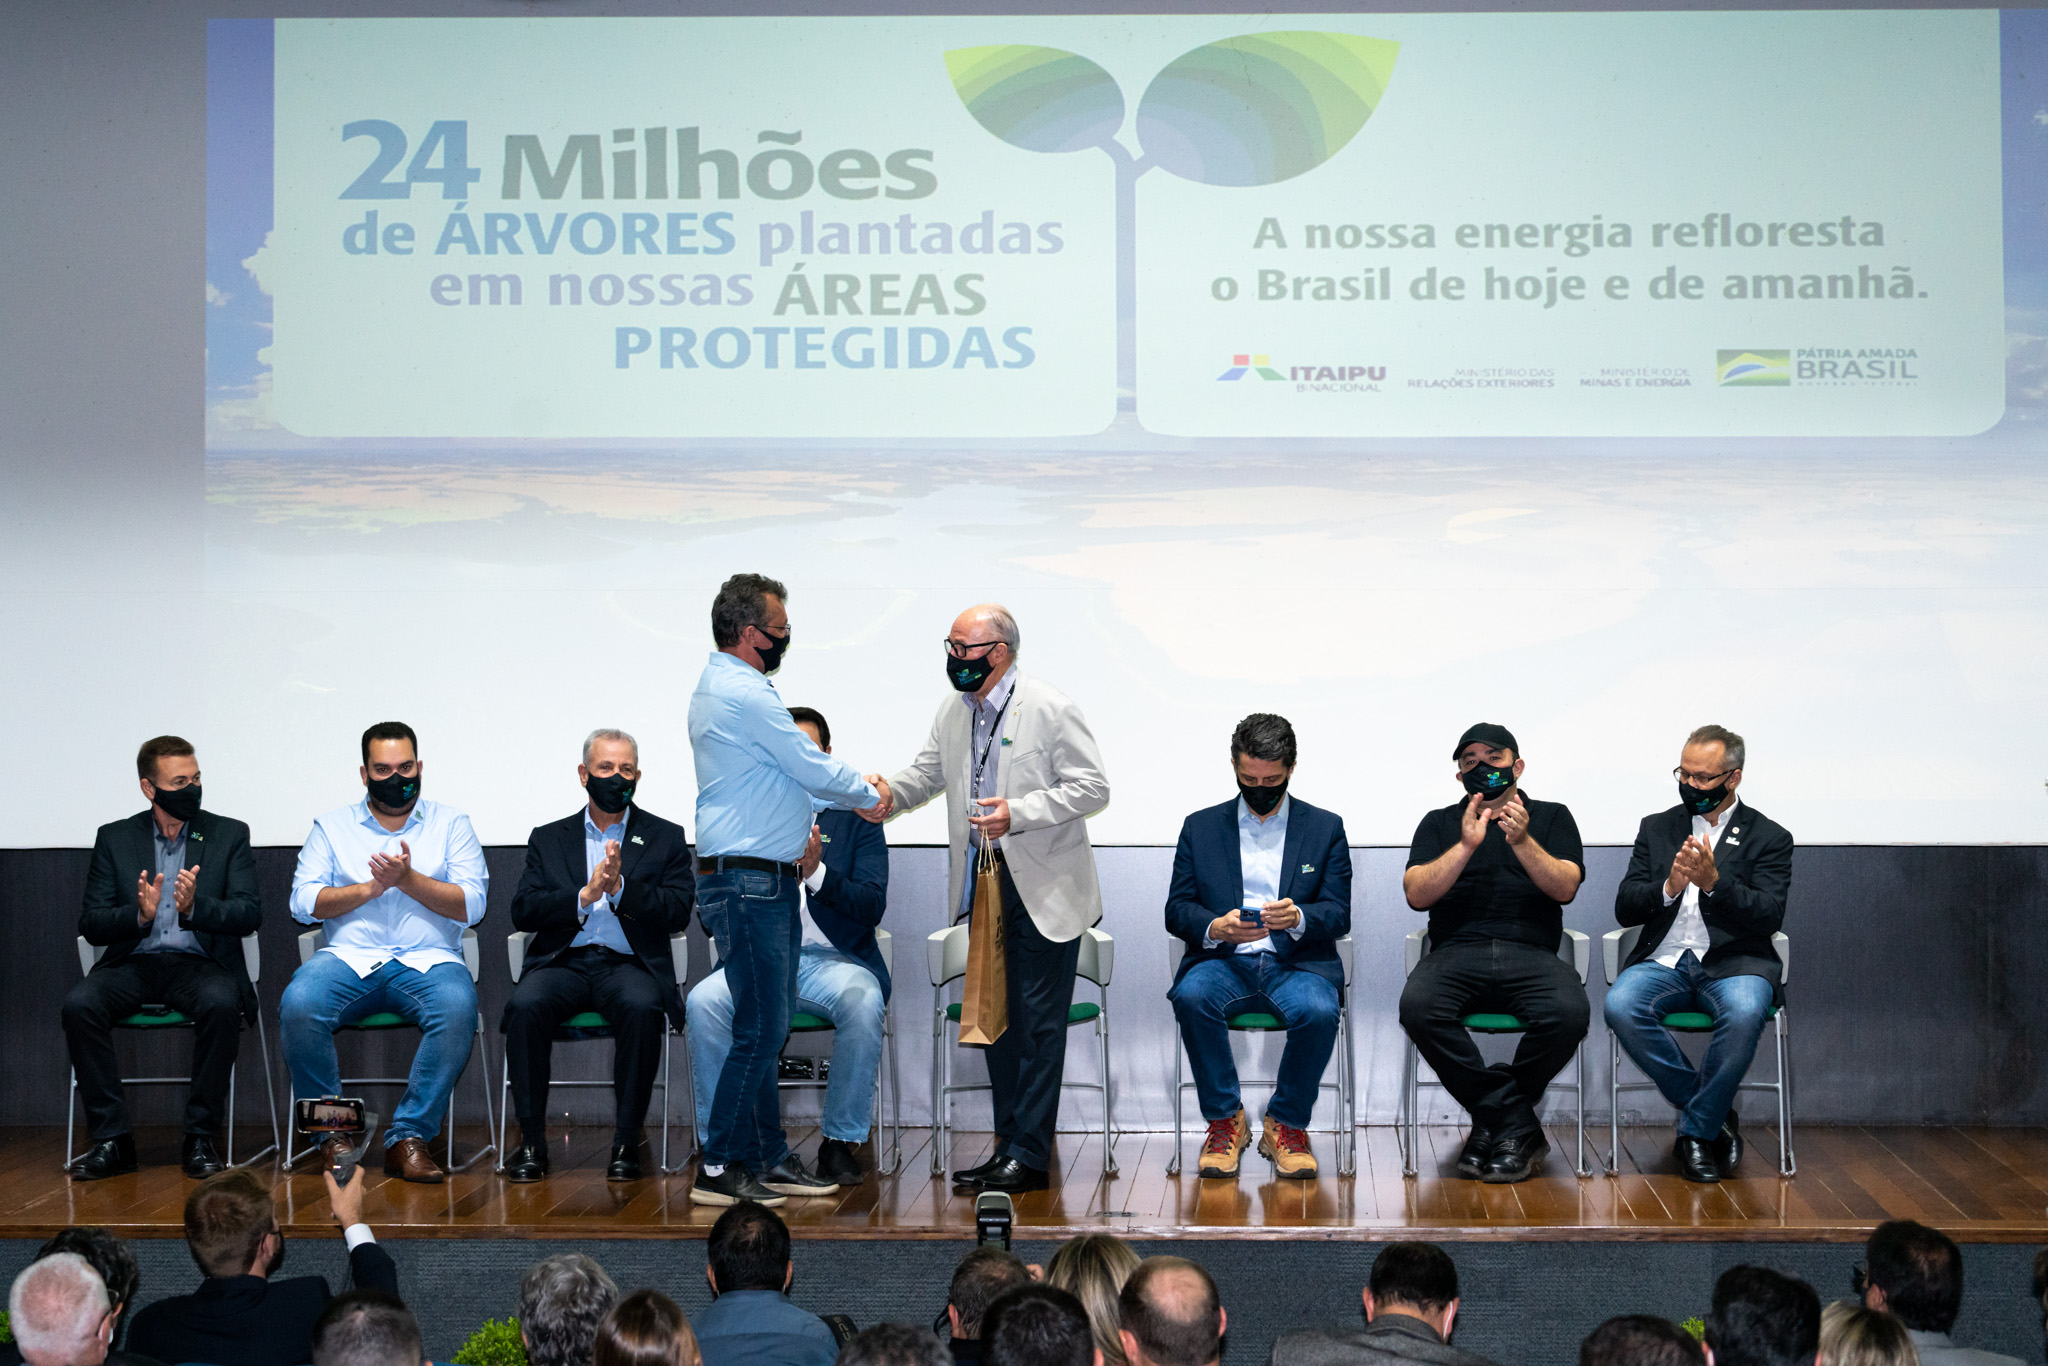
[1259, 110]
[1241, 112]
[1041, 99]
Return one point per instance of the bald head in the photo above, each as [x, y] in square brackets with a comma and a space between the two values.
[1171, 1315]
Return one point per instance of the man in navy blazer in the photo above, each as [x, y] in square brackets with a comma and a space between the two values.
[1261, 894]
[840, 975]
[1707, 881]
[602, 892]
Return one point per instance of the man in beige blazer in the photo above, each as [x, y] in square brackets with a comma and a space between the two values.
[1021, 774]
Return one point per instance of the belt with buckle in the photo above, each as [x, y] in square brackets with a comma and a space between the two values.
[733, 863]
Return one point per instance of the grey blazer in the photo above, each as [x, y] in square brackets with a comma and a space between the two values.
[1051, 772]
[1389, 1340]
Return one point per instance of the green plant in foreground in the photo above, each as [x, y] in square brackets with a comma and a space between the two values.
[1696, 1326]
[495, 1343]
[6, 1327]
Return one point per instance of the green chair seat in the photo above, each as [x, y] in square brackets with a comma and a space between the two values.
[804, 1022]
[588, 1025]
[1696, 1022]
[1253, 1019]
[1078, 1013]
[1495, 1024]
[383, 1019]
[155, 1017]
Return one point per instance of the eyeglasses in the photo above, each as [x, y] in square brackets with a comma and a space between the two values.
[1685, 775]
[787, 632]
[1859, 1278]
[962, 649]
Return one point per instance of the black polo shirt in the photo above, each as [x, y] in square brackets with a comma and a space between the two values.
[1494, 897]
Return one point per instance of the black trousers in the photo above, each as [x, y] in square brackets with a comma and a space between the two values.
[1027, 1063]
[590, 978]
[1495, 977]
[188, 982]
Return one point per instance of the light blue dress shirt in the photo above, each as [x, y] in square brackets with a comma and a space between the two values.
[601, 917]
[756, 772]
[1260, 845]
[337, 854]
[166, 935]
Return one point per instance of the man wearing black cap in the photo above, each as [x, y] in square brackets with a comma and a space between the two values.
[1494, 872]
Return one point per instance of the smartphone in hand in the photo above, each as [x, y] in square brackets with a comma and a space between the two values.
[1253, 913]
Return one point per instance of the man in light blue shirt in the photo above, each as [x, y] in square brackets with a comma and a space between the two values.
[395, 879]
[757, 776]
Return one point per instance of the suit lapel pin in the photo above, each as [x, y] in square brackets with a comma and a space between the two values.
[1006, 739]
[638, 840]
[824, 838]
[1308, 867]
[197, 836]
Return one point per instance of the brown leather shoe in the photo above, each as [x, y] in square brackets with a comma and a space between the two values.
[408, 1158]
[332, 1150]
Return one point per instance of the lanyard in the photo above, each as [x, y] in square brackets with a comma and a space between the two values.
[995, 735]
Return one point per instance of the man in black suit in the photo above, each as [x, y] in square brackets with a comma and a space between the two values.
[1261, 893]
[1494, 872]
[840, 976]
[1707, 881]
[169, 895]
[602, 892]
[239, 1316]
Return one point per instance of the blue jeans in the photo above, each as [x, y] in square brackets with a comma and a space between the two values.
[828, 983]
[326, 993]
[1213, 990]
[1636, 1006]
[753, 919]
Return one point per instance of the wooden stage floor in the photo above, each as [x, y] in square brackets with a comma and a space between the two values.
[1980, 1185]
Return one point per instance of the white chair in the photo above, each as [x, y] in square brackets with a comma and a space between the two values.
[159, 1016]
[311, 943]
[1615, 948]
[1346, 1128]
[946, 960]
[589, 1024]
[803, 1022]
[1576, 950]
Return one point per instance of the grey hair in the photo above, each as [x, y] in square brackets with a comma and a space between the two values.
[607, 733]
[562, 1299]
[1004, 625]
[1732, 753]
[56, 1304]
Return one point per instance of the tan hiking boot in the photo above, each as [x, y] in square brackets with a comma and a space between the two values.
[1286, 1147]
[1225, 1145]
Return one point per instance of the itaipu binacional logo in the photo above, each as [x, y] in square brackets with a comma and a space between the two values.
[1751, 369]
[1247, 363]
[1239, 112]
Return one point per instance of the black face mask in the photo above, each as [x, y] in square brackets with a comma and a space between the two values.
[771, 658]
[1700, 800]
[179, 803]
[1489, 780]
[395, 793]
[1263, 801]
[611, 792]
[967, 675]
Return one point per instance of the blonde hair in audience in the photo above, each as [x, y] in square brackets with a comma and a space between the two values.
[1093, 1268]
[1851, 1335]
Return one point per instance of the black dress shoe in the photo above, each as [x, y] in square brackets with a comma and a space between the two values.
[1695, 1160]
[625, 1163]
[1012, 1177]
[1478, 1147]
[791, 1177]
[838, 1162]
[109, 1157]
[528, 1162]
[1516, 1157]
[200, 1158]
[1728, 1146]
[974, 1176]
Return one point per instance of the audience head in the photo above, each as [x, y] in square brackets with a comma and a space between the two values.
[1851, 1335]
[1640, 1340]
[982, 1275]
[108, 1255]
[1916, 1273]
[366, 1328]
[1037, 1325]
[1171, 1315]
[893, 1344]
[1093, 1268]
[1762, 1318]
[1417, 1279]
[643, 1329]
[2041, 1285]
[748, 1250]
[231, 1226]
[59, 1312]
[561, 1302]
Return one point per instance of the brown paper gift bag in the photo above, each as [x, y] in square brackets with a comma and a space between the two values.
[985, 995]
